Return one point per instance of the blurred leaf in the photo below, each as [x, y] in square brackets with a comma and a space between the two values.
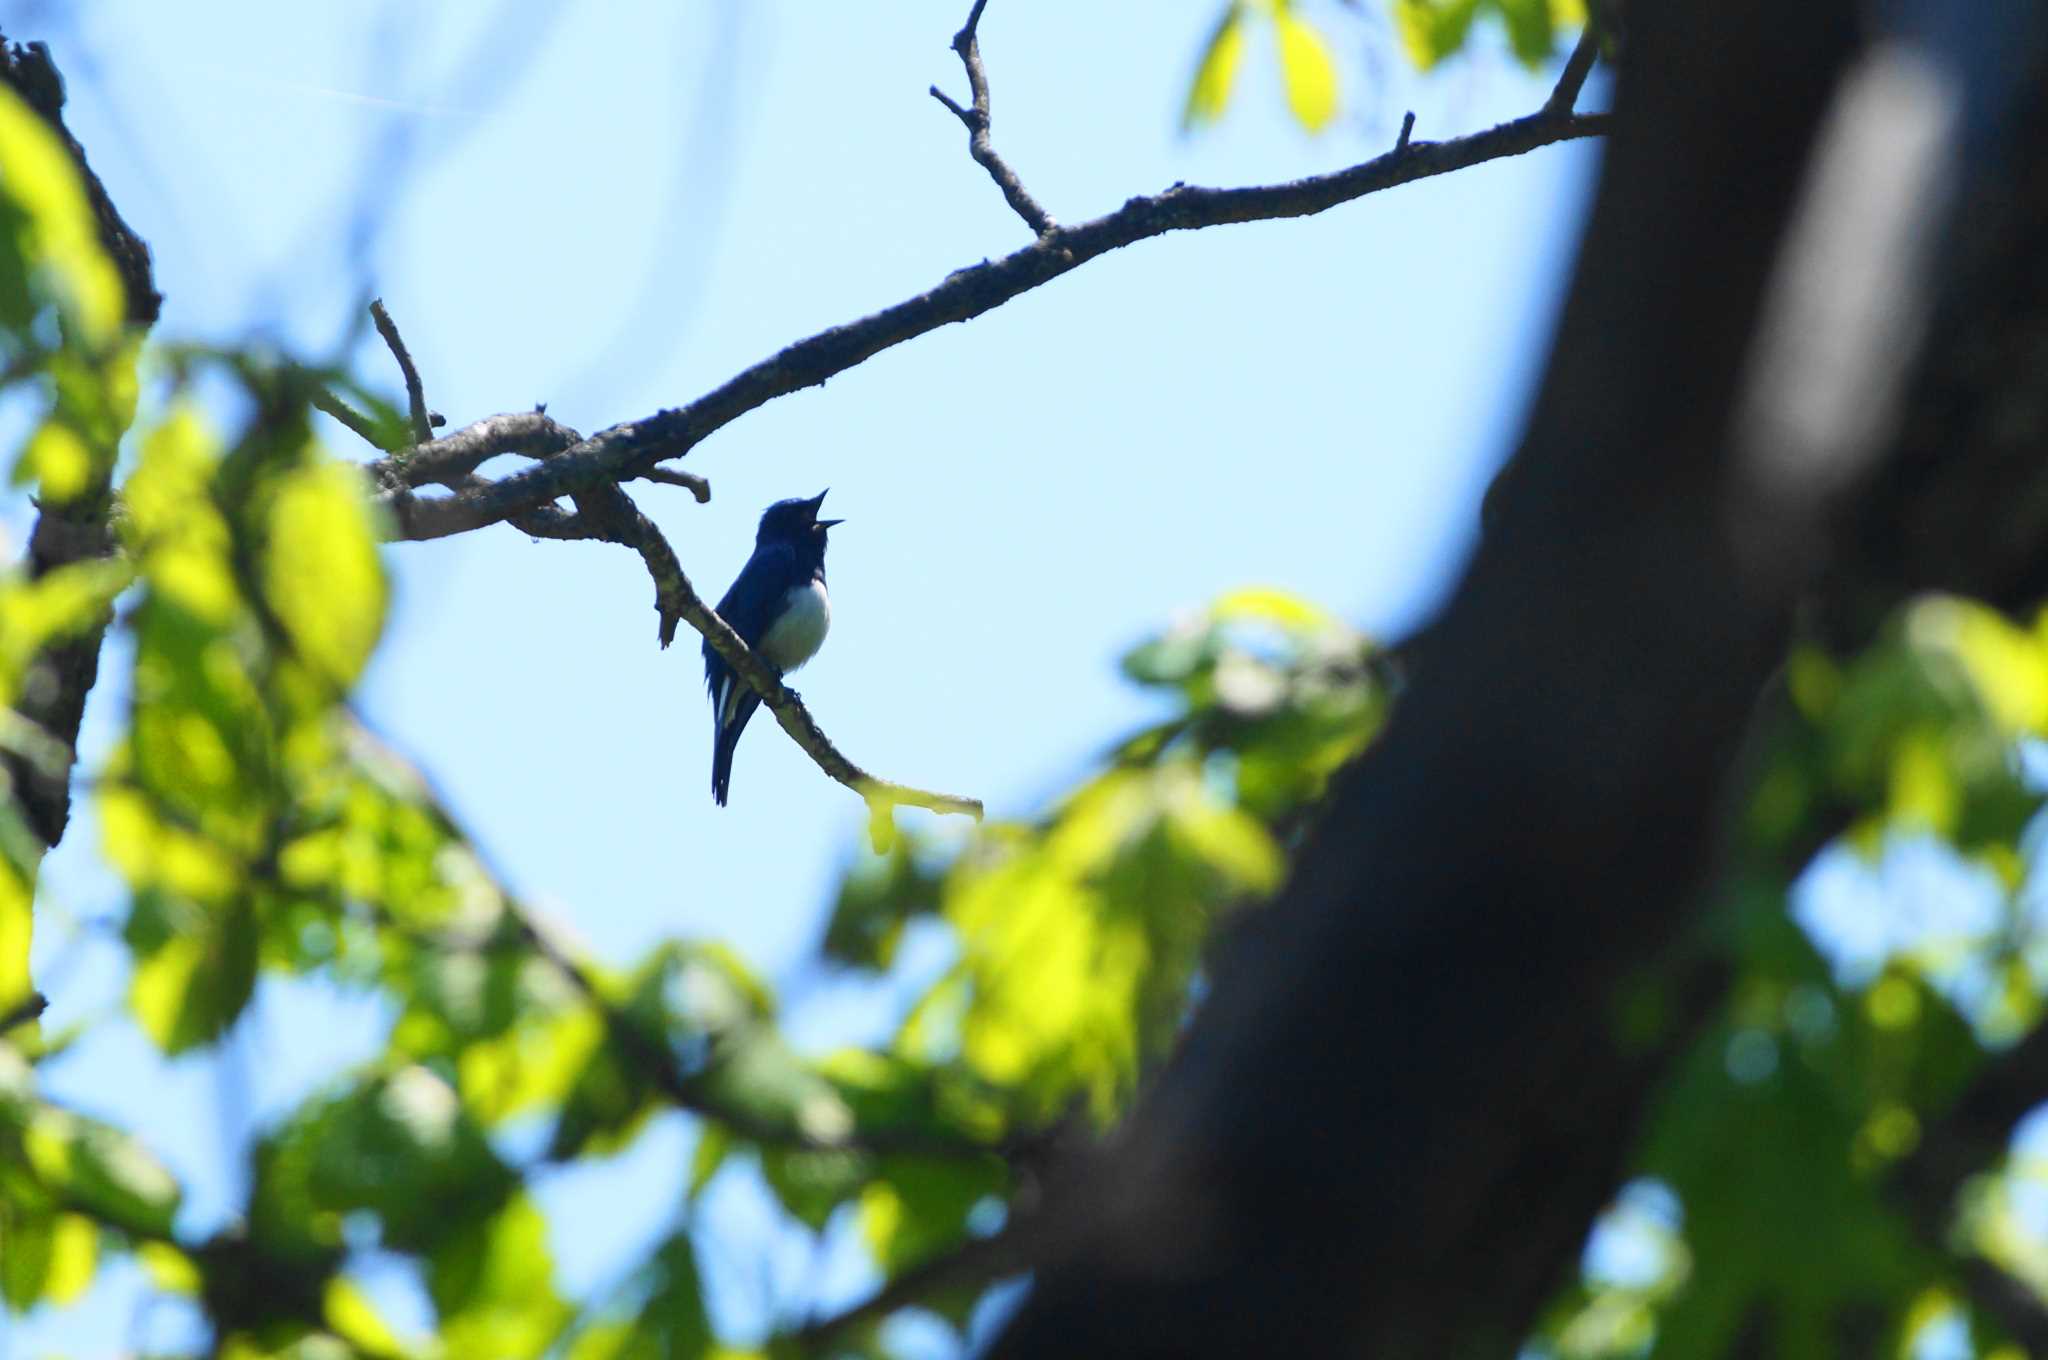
[191, 986]
[400, 1147]
[54, 229]
[355, 1320]
[493, 1284]
[714, 1146]
[1307, 68]
[58, 461]
[322, 574]
[812, 1183]
[1433, 29]
[100, 1171]
[1209, 93]
[877, 898]
[669, 1321]
[918, 1208]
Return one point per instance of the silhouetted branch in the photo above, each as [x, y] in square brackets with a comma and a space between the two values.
[976, 120]
[974, 1262]
[627, 450]
[1565, 97]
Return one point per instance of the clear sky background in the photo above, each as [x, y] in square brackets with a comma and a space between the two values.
[611, 207]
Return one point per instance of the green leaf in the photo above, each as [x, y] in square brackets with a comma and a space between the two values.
[100, 1170]
[1433, 29]
[878, 897]
[918, 1208]
[1532, 30]
[1307, 68]
[188, 987]
[812, 1183]
[493, 1284]
[402, 1148]
[55, 232]
[27, 1250]
[714, 1146]
[322, 575]
[1209, 93]
[57, 461]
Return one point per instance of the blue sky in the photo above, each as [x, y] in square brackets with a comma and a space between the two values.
[611, 207]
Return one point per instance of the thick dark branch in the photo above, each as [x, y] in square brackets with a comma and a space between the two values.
[1565, 97]
[29, 72]
[415, 395]
[976, 120]
[626, 450]
[76, 530]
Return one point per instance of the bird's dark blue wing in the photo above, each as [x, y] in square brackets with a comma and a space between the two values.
[750, 607]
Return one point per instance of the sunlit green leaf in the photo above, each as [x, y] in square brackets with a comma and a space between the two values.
[1433, 29]
[493, 1285]
[322, 574]
[101, 1171]
[60, 235]
[1209, 93]
[1308, 71]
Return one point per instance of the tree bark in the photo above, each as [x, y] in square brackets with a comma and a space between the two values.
[1405, 1100]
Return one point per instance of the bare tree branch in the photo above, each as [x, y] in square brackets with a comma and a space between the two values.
[976, 120]
[607, 512]
[415, 395]
[627, 450]
[1565, 97]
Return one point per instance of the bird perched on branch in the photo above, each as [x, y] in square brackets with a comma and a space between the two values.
[779, 606]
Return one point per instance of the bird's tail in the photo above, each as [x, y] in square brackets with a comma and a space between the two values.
[722, 747]
[726, 739]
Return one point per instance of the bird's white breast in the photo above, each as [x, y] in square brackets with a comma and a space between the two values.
[799, 630]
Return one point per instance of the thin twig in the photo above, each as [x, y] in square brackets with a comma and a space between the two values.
[624, 450]
[976, 1261]
[1407, 131]
[415, 394]
[976, 120]
[1565, 97]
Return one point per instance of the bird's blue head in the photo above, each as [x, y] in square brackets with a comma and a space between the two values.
[795, 522]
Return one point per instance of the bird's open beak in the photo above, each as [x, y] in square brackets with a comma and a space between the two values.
[816, 502]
